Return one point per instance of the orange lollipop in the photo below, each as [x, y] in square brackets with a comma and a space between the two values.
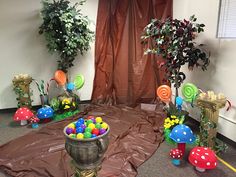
[60, 77]
[164, 93]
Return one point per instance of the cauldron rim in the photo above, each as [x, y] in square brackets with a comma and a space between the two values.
[86, 140]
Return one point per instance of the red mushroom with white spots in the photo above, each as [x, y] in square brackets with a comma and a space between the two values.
[176, 154]
[202, 158]
[22, 115]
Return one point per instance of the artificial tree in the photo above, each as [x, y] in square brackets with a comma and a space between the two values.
[66, 30]
[173, 39]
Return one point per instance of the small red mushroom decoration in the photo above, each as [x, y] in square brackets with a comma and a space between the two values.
[34, 121]
[23, 114]
[176, 154]
[202, 158]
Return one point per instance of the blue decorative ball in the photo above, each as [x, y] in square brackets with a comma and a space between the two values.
[81, 120]
[179, 101]
[93, 136]
[79, 130]
[70, 86]
[78, 124]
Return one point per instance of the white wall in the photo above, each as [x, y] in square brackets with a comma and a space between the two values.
[23, 50]
[221, 74]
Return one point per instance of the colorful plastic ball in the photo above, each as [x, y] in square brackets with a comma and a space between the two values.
[92, 126]
[79, 130]
[72, 135]
[71, 125]
[81, 120]
[74, 131]
[104, 125]
[89, 122]
[90, 117]
[93, 119]
[98, 125]
[87, 135]
[78, 124]
[69, 130]
[87, 129]
[102, 131]
[95, 131]
[80, 136]
[179, 101]
[83, 126]
[98, 119]
[93, 136]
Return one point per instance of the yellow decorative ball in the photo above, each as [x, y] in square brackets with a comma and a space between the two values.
[91, 125]
[71, 125]
[98, 119]
[80, 136]
[104, 125]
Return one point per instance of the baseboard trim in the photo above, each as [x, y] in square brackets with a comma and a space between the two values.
[35, 107]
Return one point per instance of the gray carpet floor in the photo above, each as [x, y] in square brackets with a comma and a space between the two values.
[159, 165]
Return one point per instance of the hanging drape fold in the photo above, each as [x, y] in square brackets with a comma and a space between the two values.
[123, 74]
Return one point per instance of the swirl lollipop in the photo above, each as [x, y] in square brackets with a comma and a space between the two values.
[164, 93]
[189, 91]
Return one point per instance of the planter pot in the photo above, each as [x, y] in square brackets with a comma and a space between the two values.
[87, 154]
[44, 100]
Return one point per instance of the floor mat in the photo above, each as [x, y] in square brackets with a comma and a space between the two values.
[134, 137]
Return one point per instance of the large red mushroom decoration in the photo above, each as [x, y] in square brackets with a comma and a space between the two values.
[202, 158]
[23, 114]
[176, 155]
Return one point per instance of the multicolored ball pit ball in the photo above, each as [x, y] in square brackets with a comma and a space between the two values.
[87, 128]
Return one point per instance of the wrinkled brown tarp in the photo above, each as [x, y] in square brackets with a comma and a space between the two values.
[134, 137]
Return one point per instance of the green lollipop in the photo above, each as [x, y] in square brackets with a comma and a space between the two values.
[189, 91]
[79, 81]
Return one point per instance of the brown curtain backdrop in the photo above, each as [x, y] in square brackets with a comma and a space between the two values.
[123, 74]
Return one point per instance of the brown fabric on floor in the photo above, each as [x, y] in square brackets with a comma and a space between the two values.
[134, 137]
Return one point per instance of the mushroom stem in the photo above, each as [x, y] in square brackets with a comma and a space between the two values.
[200, 169]
[181, 146]
[176, 161]
[35, 125]
[23, 122]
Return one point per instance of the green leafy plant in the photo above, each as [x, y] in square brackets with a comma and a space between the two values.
[173, 39]
[41, 87]
[66, 30]
[205, 126]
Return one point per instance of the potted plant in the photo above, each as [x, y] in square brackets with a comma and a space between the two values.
[66, 30]
[42, 92]
[173, 39]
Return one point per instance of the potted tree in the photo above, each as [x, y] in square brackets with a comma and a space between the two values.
[66, 30]
[173, 39]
